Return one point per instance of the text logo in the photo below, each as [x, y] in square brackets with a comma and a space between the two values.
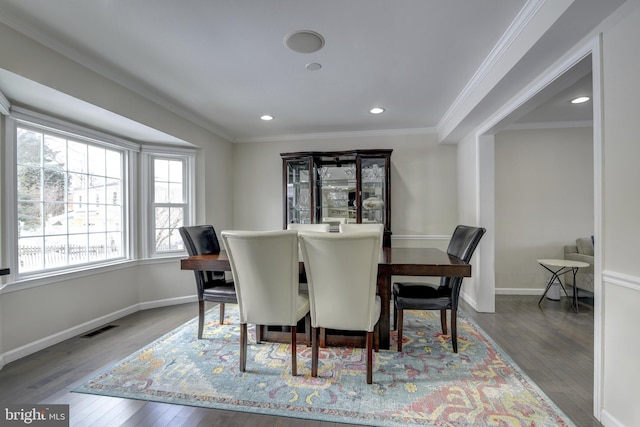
[35, 415]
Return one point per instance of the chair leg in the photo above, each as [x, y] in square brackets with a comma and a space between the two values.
[376, 337]
[395, 315]
[443, 320]
[307, 329]
[314, 352]
[323, 338]
[454, 330]
[243, 347]
[369, 357]
[258, 334]
[222, 313]
[294, 361]
[400, 319]
[200, 319]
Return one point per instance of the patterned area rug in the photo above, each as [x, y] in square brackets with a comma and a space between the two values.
[426, 384]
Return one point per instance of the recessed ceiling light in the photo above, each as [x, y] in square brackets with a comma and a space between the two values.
[376, 110]
[266, 117]
[580, 100]
[313, 66]
[304, 41]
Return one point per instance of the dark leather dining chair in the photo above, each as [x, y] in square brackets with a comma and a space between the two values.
[423, 296]
[212, 285]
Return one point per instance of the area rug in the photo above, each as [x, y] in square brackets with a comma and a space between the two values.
[426, 384]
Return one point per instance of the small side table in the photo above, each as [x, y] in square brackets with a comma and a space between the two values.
[557, 268]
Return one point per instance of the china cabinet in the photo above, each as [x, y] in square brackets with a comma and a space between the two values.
[338, 187]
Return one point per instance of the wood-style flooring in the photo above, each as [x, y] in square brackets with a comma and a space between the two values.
[551, 343]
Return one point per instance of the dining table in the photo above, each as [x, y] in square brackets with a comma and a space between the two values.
[393, 262]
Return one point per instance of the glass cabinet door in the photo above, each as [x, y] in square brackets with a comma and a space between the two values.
[298, 191]
[373, 193]
[338, 187]
[336, 190]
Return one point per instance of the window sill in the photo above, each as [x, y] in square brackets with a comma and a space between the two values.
[50, 278]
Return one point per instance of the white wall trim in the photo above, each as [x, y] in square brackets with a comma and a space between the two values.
[519, 291]
[609, 420]
[598, 222]
[334, 135]
[50, 278]
[550, 125]
[421, 237]
[621, 279]
[5, 105]
[43, 343]
[63, 126]
[589, 45]
[72, 332]
[511, 34]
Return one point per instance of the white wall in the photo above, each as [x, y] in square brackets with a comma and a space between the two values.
[543, 201]
[617, 341]
[621, 229]
[423, 182]
[475, 167]
[32, 315]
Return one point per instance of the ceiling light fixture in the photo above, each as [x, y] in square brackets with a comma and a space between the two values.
[266, 117]
[580, 100]
[376, 110]
[313, 66]
[304, 41]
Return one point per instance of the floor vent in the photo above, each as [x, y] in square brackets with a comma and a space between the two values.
[98, 331]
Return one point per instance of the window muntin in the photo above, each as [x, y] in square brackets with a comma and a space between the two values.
[169, 203]
[64, 217]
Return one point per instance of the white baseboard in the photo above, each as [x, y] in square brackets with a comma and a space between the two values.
[609, 420]
[519, 291]
[43, 343]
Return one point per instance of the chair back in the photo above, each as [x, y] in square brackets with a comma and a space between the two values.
[463, 243]
[200, 240]
[350, 228]
[342, 270]
[309, 227]
[264, 265]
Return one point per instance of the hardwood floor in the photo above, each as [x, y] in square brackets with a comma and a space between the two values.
[552, 344]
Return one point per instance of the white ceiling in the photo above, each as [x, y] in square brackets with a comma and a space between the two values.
[223, 63]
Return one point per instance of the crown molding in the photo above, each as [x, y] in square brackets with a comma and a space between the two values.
[108, 72]
[550, 125]
[334, 135]
[511, 34]
[5, 105]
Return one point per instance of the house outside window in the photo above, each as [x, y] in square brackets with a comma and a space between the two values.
[169, 202]
[55, 172]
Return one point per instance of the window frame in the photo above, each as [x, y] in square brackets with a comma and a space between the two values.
[20, 117]
[149, 155]
[137, 193]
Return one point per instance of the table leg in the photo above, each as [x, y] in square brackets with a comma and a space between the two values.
[384, 291]
[554, 275]
[575, 290]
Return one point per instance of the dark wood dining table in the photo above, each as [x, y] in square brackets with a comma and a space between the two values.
[393, 262]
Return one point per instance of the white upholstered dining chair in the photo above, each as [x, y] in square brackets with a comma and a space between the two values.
[309, 227]
[342, 273]
[265, 267]
[324, 228]
[350, 228]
